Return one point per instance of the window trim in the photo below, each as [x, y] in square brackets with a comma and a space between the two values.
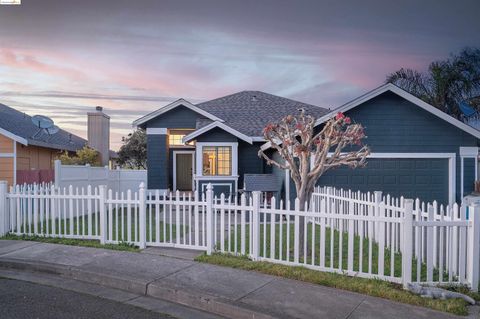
[199, 154]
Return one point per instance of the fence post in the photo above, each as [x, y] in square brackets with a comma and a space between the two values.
[3, 209]
[329, 199]
[351, 232]
[378, 199]
[407, 243]
[296, 237]
[256, 225]
[58, 173]
[474, 247]
[103, 214]
[143, 213]
[210, 220]
[430, 244]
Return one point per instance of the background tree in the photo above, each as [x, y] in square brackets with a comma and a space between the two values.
[133, 153]
[446, 83]
[308, 155]
[86, 155]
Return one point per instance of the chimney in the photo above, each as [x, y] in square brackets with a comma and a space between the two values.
[99, 133]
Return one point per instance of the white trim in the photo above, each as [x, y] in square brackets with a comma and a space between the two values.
[171, 106]
[468, 151]
[258, 139]
[14, 137]
[175, 168]
[157, 131]
[213, 125]
[219, 184]
[219, 177]
[412, 155]
[14, 163]
[7, 155]
[199, 149]
[451, 166]
[409, 97]
[265, 146]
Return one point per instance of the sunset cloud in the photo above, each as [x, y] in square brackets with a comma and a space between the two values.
[62, 58]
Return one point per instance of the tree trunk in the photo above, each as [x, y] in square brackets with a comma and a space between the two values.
[301, 229]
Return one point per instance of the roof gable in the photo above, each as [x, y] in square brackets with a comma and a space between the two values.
[220, 125]
[404, 94]
[171, 106]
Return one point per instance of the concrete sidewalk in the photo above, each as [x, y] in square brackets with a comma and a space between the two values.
[223, 291]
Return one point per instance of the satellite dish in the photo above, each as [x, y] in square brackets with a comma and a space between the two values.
[52, 130]
[44, 124]
[42, 121]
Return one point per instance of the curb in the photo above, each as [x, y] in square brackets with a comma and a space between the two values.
[208, 303]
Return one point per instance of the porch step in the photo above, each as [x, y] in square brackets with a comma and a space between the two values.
[187, 254]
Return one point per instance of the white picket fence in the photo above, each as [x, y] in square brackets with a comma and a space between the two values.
[360, 234]
[119, 180]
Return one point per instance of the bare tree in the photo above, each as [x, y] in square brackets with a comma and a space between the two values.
[308, 155]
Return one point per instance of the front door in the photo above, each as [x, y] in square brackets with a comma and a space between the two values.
[184, 171]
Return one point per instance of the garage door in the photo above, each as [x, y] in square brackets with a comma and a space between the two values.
[426, 179]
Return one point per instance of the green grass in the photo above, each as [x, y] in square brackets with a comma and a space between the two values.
[329, 262]
[120, 229]
[123, 246]
[372, 287]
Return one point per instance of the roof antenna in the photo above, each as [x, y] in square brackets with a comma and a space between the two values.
[44, 124]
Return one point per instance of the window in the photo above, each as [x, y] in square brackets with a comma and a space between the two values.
[217, 160]
[175, 138]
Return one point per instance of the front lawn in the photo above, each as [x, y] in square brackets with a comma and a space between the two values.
[287, 241]
[120, 227]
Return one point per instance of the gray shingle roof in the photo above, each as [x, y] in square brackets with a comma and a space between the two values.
[261, 182]
[250, 111]
[202, 123]
[20, 124]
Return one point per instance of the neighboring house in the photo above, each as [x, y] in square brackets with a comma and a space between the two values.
[417, 150]
[24, 148]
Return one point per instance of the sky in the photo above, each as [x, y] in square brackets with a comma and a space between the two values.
[62, 58]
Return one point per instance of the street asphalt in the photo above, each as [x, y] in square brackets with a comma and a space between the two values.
[22, 300]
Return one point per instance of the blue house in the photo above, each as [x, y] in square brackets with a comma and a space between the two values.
[417, 150]
[217, 142]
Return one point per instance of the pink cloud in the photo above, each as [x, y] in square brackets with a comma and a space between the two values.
[30, 61]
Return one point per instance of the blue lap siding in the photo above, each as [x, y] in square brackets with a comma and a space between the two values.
[426, 179]
[395, 125]
[159, 155]
[157, 161]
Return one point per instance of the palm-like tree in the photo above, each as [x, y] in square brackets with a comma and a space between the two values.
[446, 83]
